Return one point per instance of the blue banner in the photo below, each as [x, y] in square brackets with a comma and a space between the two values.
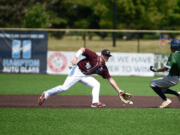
[23, 51]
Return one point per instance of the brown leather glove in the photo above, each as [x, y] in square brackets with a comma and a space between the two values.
[125, 97]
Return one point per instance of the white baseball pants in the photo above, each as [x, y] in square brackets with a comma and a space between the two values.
[75, 76]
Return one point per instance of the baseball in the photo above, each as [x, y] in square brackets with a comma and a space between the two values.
[131, 103]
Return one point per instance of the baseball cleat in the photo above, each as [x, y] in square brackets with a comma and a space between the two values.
[165, 103]
[98, 105]
[42, 99]
[178, 96]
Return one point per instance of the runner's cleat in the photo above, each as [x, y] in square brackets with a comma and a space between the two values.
[165, 104]
[178, 96]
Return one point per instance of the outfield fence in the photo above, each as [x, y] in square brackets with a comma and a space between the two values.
[25, 50]
[138, 41]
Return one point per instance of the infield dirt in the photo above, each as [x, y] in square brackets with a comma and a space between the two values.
[69, 101]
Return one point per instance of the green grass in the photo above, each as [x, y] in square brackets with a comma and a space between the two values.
[89, 121]
[83, 121]
[36, 84]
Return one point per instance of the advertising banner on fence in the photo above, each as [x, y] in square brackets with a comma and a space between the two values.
[59, 62]
[23, 51]
[120, 64]
[131, 64]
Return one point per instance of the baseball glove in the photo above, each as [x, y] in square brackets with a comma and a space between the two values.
[125, 97]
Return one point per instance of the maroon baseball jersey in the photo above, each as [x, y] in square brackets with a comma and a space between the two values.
[91, 64]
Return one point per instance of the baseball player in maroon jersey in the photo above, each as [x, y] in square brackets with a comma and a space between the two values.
[81, 71]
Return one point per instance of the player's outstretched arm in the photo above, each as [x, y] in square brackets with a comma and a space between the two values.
[124, 97]
[114, 84]
[158, 69]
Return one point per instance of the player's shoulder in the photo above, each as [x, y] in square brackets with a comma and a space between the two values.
[89, 52]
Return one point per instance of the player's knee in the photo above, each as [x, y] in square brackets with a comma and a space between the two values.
[63, 88]
[97, 85]
[152, 84]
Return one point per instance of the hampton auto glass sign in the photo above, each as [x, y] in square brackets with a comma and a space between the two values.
[23, 51]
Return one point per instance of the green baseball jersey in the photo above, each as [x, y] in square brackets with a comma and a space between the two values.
[174, 64]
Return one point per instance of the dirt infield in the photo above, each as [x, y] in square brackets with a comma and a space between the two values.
[60, 101]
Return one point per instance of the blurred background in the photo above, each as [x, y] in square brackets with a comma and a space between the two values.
[30, 29]
[132, 20]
